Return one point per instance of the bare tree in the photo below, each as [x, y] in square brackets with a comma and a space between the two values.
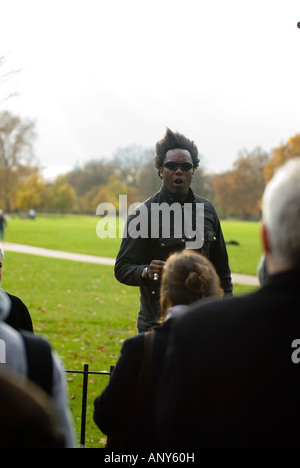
[5, 76]
[16, 139]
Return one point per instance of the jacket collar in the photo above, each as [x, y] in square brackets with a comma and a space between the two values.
[288, 278]
[177, 311]
[169, 198]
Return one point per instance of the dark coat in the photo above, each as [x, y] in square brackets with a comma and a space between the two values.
[114, 409]
[19, 317]
[230, 380]
[135, 254]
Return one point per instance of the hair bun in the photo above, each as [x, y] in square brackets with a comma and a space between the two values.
[197, 283]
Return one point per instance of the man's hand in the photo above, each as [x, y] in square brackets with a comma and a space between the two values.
[156, 267]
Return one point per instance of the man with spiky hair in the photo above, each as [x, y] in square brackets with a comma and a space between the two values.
[141, 258]
[174, 140]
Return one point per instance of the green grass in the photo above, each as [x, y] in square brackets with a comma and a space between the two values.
[71, 233]
[77, 233]
[80, 308]
[243, 258]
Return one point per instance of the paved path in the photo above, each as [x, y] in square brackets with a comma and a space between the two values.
[27, 249]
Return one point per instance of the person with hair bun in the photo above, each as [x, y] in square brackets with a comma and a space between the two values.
[125, 411]
[188, 277]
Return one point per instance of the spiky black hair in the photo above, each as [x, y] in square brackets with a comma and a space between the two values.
[171, 141]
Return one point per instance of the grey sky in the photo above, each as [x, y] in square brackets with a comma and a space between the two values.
[99, 75]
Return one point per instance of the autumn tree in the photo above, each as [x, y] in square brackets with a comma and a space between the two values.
[64, 197]
[129, 161]
[16, 139]
[110, 193]
[280, 155]
[225, 190]
[239, 191]
[32, 193]
[94, 173]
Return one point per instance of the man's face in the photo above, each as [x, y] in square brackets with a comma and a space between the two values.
[177, 181]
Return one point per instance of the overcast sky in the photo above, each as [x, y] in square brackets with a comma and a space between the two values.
[98, 75]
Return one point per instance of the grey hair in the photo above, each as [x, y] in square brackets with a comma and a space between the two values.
[281, 214]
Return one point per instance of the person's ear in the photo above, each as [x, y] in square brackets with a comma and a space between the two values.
[160, 172]
[265, 239]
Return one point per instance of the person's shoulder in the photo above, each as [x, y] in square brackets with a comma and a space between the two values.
[155, 198]
[17, 303]
[133, 344]
[145, 206]
[207, 204]
[220, 310]
[14, 299]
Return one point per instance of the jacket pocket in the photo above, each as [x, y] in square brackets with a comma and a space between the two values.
[209, 239]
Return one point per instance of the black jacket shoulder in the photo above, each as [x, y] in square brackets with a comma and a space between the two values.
[19, 317]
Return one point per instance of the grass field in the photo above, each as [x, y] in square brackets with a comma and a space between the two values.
[78, 234]
[69, 233]
[83, 311]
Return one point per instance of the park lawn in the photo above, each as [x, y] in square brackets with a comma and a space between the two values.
[77, 233]
[243, 258]
[70, 233]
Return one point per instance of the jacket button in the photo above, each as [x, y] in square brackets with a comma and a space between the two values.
[153, 293]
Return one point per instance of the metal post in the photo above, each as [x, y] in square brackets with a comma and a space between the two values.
[84, 399]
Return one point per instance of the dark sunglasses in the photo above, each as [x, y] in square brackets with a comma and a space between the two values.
[173, 165]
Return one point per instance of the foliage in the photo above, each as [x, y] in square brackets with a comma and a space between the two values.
[280, 155]
[32, 193]
[64, 199]
[240, 191]
[16, 139]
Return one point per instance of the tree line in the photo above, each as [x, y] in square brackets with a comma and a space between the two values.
[234, 193]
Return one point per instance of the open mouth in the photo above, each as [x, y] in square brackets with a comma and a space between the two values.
[178, 182]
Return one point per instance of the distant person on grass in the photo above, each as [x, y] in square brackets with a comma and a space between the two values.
[232, 374]
[141, 260]
[19, 317]
[119, 412]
